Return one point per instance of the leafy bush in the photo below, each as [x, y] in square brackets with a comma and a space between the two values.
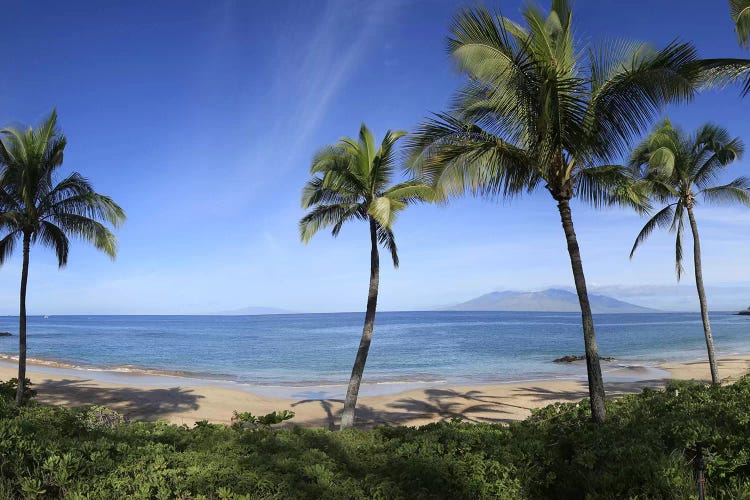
[247, 420]
[100, 417]
[9, 388]
[642, 451]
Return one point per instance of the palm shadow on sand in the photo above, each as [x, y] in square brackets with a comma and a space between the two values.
[470, 406]
[438, 404]
[134, 403]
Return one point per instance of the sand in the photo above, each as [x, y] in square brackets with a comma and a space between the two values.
[186, 404]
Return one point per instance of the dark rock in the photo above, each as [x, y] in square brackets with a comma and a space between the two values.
[746, 312]
[572, 357]
[6, 334]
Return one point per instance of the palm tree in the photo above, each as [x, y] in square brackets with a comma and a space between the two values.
[352, 181]
[36, 208]
[540, 110]
[740, 12]
[678, 168]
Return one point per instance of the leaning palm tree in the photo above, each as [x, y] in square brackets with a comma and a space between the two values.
[541, 110]
[740, 12]
[352, 181]
[678, 168]
[36, 208]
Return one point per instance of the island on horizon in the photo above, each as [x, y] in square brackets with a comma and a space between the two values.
[550, 300]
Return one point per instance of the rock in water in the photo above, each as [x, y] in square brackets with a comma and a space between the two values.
[572, 357]
[6, 334]
[569, 359]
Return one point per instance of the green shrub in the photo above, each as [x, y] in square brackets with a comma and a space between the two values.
[247, 420]
[9, 388]
[100, 417]
[642, 451]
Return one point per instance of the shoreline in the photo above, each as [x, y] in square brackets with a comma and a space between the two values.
[626, 370]
[183, 400]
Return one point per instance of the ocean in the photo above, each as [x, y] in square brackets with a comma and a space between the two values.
[298, 354]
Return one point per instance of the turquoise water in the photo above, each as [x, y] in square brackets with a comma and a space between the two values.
[408, 347]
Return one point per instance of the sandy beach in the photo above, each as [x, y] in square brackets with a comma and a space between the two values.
[188, 403]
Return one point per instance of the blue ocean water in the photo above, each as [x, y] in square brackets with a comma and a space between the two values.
[408, 347]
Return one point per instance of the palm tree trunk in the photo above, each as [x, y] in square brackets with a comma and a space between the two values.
[347, 418]
[593, 367]
[22, 321]
[702, 297]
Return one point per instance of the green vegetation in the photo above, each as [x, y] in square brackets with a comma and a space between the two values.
[676, 169]
[641, 451]
[352, 181]
[246, 420]
[35, 208]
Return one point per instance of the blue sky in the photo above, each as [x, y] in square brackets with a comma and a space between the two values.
[201, 121]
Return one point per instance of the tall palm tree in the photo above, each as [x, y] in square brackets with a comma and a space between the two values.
[541, 110]
[740, 12]
[36, 208]
[352, 181]
[678, 168]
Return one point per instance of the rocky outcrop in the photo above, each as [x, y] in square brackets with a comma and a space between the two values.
[746, 312]
[572, 357]
[6, 334]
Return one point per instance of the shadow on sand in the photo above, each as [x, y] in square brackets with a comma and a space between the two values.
[470, 406]
[134, 403]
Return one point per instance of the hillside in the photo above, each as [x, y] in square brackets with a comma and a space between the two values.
[551, 300]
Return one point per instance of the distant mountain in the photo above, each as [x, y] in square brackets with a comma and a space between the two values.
[254, 310]
[552, 300]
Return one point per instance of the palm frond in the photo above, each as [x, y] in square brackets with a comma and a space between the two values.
[51, 236]
[8, 244]
[717, 151]
[11, 220]
[609, 185]
[411, 191]
[480, 44]
[388, 241]
[85, 229]
[719, 73]
[334, 164]
[91, 204]
[662, 218]
[326, 191]
[323, 216]
[384, 161]
[355, 211]
[456, 157]
[737, 191]
[661, 162]
[384, 210]
[635, 91]
[740, 12]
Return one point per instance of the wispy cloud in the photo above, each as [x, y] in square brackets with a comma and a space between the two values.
[316, 71]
